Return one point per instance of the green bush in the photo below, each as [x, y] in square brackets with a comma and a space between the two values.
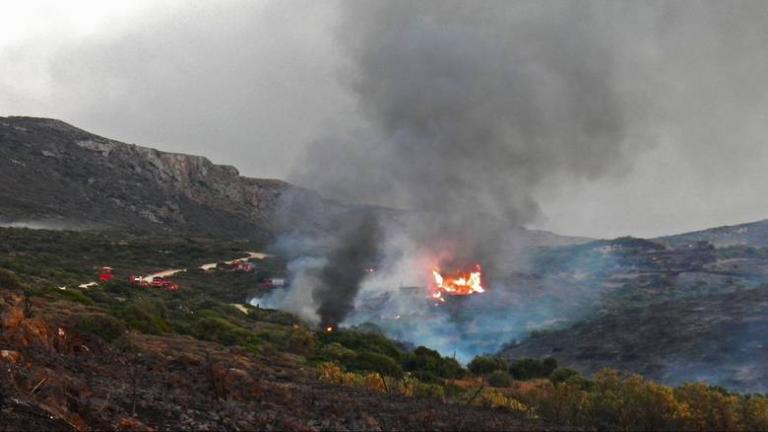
[362, 341]
[9, 280]
[122, 288]
[529, 368]
[76, 296]
[561, 375]
[335, 352]
[375, 362]
[141, 316]
[499, 378]
[218, 329]
[106, 327]
[483, 365]
[426, 376]
[301, 341]
[429, 361]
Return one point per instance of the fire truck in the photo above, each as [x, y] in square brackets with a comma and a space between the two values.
[105, 274]
[272, 283]
[161, 282]
[239, 266]
[156, 282]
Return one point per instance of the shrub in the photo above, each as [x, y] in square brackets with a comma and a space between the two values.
[75, 296]
[106, 327]
[491, 398]
[561, 375]
[431, 364]
[360, 341]
[223, 331]
[483, 365]
[301, 341]
[499, 378]
[755, 409]
[426, 376]
[9, 280]
[335, 352]
[529, 368]
[121, 288]
[374, 381]
[709, 408]
[140, 316]
[332, 373]
[375, 362]
[98, 295]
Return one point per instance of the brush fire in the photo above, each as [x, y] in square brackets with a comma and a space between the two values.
[458, 283]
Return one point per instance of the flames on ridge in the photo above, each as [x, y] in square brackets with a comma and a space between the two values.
[457, 284]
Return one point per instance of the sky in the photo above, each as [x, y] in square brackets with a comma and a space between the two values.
[256, 83]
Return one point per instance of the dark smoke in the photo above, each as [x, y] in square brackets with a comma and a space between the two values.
[347, 264]
[470, 106]
[469, 109]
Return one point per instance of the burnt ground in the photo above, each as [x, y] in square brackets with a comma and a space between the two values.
[670, 342]
[683, 314]
[56, 379]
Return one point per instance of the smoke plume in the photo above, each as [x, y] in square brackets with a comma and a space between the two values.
[348, 263]
[470, 107]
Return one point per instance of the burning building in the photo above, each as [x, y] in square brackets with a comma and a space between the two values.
[457, 283]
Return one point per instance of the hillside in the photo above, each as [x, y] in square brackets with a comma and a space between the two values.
[116, 356]
[690, 307]
[122, 357]
[753, 234]
[58, 176]
[675, 313]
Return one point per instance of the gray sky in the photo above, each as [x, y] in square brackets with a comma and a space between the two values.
[255, 83]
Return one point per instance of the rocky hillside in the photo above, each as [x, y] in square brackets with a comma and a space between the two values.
[56, 175]
[672, 311]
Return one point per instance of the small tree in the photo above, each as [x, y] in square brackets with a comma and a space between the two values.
[483, 365]
[529, 368]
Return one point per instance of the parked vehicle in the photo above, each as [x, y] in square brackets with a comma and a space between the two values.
[161, 282]
[272, 283]
[105, 274]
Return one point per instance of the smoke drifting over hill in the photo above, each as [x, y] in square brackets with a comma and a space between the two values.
[470, 107]
[470, 111]
[467, 111]
[249, 83]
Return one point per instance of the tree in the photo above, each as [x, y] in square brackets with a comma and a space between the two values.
[529, 368]
[483, 365]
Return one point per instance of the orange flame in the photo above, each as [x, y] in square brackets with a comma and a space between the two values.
[460, 284]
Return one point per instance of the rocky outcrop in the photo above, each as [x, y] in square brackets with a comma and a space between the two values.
[54, 175]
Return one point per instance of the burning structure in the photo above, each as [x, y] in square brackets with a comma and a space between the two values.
[457, 284]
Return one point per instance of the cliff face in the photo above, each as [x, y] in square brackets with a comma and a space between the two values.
[53, 174]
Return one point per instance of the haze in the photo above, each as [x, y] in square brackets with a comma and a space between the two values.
[255, 84]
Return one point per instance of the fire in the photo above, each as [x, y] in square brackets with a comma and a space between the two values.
[458, 284]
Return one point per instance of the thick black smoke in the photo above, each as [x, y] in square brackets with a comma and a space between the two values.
[470, 106]
[351, 259]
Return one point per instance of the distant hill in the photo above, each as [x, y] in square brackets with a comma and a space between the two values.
[673, 309]
[753, 234]
[54, 175]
